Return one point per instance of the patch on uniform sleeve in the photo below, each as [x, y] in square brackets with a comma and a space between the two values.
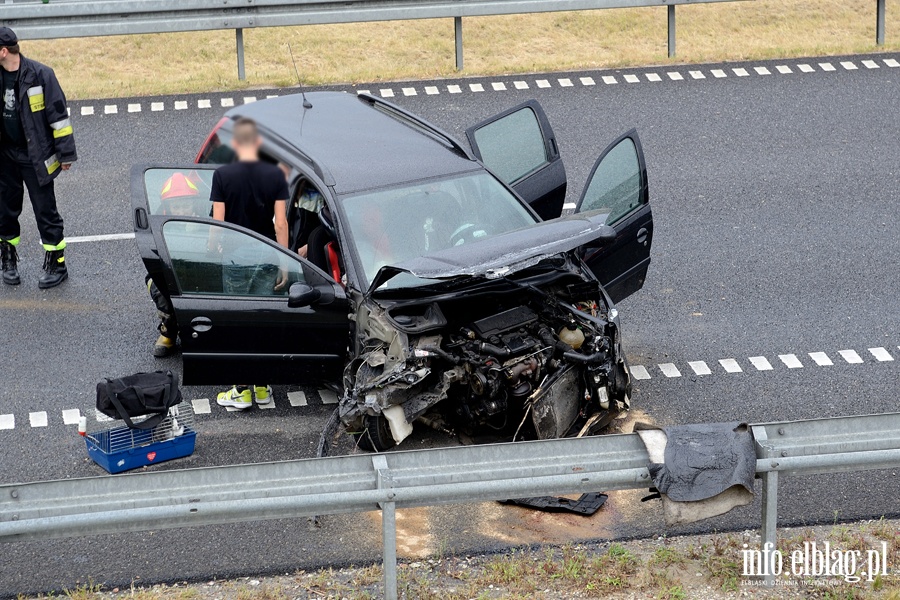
[36, 98]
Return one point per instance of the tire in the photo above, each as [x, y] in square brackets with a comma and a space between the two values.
[376, 435]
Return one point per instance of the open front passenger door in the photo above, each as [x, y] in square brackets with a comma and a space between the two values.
[519, 147]
[248, 310]
[617, 187]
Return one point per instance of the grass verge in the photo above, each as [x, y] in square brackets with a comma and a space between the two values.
[370, 52]
[708, 567]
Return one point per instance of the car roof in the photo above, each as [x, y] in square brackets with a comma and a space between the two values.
[360, 146]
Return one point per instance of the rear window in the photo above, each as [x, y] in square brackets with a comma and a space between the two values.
[217, 150]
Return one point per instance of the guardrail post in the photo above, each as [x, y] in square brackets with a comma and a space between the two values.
[879, 23]
[671, 10]
[457, 27]
[239, 39]
[388, 528]
[769, 533]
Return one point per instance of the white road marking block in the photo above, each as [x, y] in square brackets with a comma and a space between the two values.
[520, 85]
[881, 354]
[109, 237]
[741, 72]
[851, 356]
[87, 110]
[181, 105]
[328, 397]
[587, 81]
[805, 68]
[409, 91]
[498, 86]
[675, 76]
[227, 102]
[110, 109]
[639, 372]
[870, 64]
[233, 409]
[565, 82]
[762, 71]
[697, 74]
[827, 67]
[270, 96]
[201, 406]
[361, 92]
[157, 106]
[71, 416]
[609, 80]
[569, 206]
[542, 83]
[791, 361]
[134, 108]
[699, 367]
[454, 89]
[730, 365]
[669, 370]
[387, 93]
[38, 419]
[784, 69]
[204, 104]
[7, 421]
[891, 62]
[267, 405]
[249, 99]
[653, 77]
[476, 87]
[718, 73]
[631, 79]
[297, 398]
[821, 359]
[431, 90]
[761, 363]
[850, 66]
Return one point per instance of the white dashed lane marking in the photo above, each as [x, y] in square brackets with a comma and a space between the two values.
[476, 87]
[762, 71]
[204, 104]
[110, 109]
[791, 361]
[849, 65]
[783, 69]
[675, 76]
[431, 90]
[454, 89]
[297, 398]
[827, 67]
[653, 77]
[328, 397]
[761, 363]
[71, 416]
[268, 405]
[249, 99]
[134, 108]
[632, 79]
[38, 419]
[821, 359]
[741, 72]
[498, 86]
[387, 93]
[697, 75]
[851, 356]
[227, 102]
[881, 354]
[520, 85]
[870, 64]
[637, 371]
[609, 79]
[565, 82]
[87, 110]
[587, 81]
[542, 83]
[201, 406]
[409, 91]
[891, 62]
[669, 370]
[700, 367]
[730, 365]
[157, 106]
[7, 421]
[718, 73]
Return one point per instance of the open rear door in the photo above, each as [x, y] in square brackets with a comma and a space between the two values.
[617, 187]
[519, 147]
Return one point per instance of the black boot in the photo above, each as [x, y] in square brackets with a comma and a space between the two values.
[55, 271]
[9, 260]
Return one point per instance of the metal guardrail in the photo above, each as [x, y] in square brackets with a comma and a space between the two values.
[361, 483]
[84, 18]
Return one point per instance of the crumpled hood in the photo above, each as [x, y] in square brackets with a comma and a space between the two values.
[506, 253]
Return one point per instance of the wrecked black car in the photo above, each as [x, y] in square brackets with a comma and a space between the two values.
[441, 285]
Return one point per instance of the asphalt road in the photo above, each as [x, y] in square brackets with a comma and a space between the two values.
[775, 207]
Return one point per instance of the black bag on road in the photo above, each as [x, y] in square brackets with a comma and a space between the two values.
[139, 395]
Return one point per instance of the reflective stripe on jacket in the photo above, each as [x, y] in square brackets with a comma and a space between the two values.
[45, 119]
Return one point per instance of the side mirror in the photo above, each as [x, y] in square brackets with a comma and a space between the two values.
[302, 294]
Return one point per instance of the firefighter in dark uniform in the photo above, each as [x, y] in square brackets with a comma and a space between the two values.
[36, 144]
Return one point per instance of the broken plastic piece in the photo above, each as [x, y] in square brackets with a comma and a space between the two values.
[586, 505]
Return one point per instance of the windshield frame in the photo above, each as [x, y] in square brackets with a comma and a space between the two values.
[350, 237]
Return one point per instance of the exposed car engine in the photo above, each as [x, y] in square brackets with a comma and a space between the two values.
[537, 363]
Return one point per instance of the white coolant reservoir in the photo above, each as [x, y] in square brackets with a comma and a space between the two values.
[571, 335]
[400, 428]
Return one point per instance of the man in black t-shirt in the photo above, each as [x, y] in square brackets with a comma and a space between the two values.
[254, 195]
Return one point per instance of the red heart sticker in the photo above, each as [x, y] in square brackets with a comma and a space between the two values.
[151, 456]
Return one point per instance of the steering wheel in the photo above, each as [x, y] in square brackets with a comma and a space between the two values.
[465, 234]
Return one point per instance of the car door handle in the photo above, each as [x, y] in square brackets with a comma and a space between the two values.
[201, 324]
[642, 236]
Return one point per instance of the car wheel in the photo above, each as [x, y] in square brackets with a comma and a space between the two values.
[376, 434]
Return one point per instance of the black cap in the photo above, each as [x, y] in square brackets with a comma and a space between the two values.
[8, 37]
